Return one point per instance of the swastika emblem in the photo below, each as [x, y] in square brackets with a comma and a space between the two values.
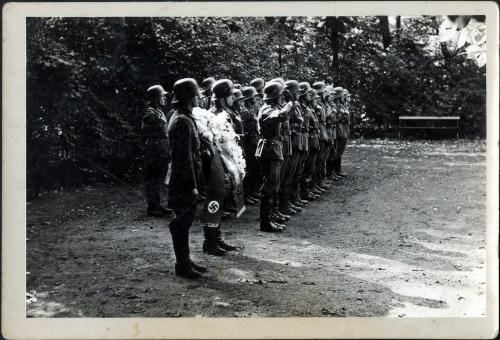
[213, 207]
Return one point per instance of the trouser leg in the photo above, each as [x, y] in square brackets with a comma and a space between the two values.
[179, 230]
[250, 183]
[311, 167]
[284, 182]
[320, 163]
[294, 174]
[155, 171]
[303, 172]
[271, 177]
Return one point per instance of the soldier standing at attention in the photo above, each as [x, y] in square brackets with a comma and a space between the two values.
[250, 140]
[296, 120]
[305, 97]
[314, 146]
[157, 153]
[206, 99]
[332, 133]
[321, 109]
[342, 131]
[236, 114]
[269, 150]
[222, 126]
[185, 174]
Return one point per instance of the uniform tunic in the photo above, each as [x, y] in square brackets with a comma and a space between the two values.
[185, 173]
[157, 154]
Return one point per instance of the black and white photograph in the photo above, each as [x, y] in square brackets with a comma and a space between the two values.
[256, 166]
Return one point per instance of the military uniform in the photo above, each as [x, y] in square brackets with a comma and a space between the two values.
[323, 142]
[331, 122]
[250, 140]
[314, 147]
[270, 153]
[298, 152]
[185, 176]
[157, 154]
[305, 149]
[284, 191]
[342, 135]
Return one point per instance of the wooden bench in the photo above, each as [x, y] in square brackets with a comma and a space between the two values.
[429, 123]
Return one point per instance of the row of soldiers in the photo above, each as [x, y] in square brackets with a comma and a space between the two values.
[292, 135]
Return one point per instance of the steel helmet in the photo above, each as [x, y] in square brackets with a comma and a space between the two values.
[292, 86]
[237, 95]
[319, 86]
[338, 92]
[258, 83]
[249, 92]
[272, 90]
[278, 80]
[155, 91]
[304, 88]
[314, 94]
[207, 83]
[223, 88]
[185, 88]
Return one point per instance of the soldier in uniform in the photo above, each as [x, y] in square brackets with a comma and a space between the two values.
[331, 121]
[225, 119]
[185, 174]
[342, 130]
[304, 99]
[249, 114]
[296, 120]
[258, 84]
[314, 146]
[321, 111]
[283, 210]
[154, 130]
[236, 114]
[269, 150]
[206, 87]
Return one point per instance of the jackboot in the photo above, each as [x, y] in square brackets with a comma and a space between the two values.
[210, 245]
[221, 243]
[295, 207]
[197, 267]
[186, 271]
[270, 227]
[180, 241]
[285, 216]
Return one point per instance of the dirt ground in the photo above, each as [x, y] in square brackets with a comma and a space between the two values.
[403, 235]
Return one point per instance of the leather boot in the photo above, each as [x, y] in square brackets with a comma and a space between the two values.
[186, 271]
[270, 227]
[277, 219]
[210, 245]
[181, 248]
[295, 207]
[222, 244]
[285, 216]
[266, 224]
[286, 211]
[197, 267]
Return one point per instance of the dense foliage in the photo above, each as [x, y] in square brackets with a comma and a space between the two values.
[87, 78]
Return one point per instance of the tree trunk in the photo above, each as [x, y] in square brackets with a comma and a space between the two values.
[384, 31]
